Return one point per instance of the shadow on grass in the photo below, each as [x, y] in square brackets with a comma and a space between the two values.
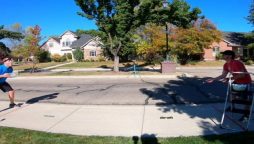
[232, 138]
[146, 139]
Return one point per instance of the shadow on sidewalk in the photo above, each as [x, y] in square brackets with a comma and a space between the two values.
[40, 98]
[18, 105]
[186, 92]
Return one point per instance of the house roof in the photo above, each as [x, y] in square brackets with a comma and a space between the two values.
[56, 39]
[83, 39]
[235, 38]
[75, 35]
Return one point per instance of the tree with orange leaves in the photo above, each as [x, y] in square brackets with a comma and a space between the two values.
[184, 43]
[151, 43]
[193, 41]
[31, 48]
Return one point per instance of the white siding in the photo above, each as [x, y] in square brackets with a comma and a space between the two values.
[56, 49]
[67, 37]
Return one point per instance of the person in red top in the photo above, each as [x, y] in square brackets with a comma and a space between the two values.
[232, 66]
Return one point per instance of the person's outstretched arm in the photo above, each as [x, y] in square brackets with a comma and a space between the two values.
[222, 76]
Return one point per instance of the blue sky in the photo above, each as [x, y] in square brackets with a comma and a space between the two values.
[57, 16]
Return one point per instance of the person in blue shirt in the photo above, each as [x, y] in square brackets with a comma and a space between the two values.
[6, 72]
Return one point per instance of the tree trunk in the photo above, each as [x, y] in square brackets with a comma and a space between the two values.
[116, 63]
[33, 67]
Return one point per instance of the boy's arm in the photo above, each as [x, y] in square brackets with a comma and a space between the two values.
[6, 75]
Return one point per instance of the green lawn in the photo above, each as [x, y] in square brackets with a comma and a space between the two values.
[83, 73]
[103, 64]
[107, 64]
[21, 136]
[39, 65]
[110, 64]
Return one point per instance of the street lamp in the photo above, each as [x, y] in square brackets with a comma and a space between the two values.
[167, 66]
[165, 5]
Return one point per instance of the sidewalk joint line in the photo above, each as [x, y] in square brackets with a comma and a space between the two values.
[48, 130]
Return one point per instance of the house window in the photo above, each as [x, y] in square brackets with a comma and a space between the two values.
[216, 50]
[93, 53]
[51, 44]
[239, 52]
[68, 42]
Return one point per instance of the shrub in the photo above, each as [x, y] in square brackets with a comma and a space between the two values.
[44, 56]
[78, 55]
[69, 56]
[218, 56]
[63, 58]
[249, 62]
[56, 58]
[101, 59]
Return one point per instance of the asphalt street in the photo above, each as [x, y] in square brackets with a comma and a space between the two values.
[187, 88]
[117, 91]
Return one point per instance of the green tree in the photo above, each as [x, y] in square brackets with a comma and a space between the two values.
[250, 40]
[4, 50]
[177, 13]
[78, 55]
[7, 34]
[89, 32]
[116, 19]
[250, 18]
[14, 43]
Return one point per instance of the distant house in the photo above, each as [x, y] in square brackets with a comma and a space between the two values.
[231, 41]
[69, 41]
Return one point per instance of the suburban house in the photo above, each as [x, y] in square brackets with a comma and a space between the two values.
[69, 41]
[231, 41]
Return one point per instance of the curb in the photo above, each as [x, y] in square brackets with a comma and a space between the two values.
[100, 76]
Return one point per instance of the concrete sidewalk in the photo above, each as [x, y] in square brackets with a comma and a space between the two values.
[116, 120]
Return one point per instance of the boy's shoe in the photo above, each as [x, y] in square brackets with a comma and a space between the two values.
[12, 105]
